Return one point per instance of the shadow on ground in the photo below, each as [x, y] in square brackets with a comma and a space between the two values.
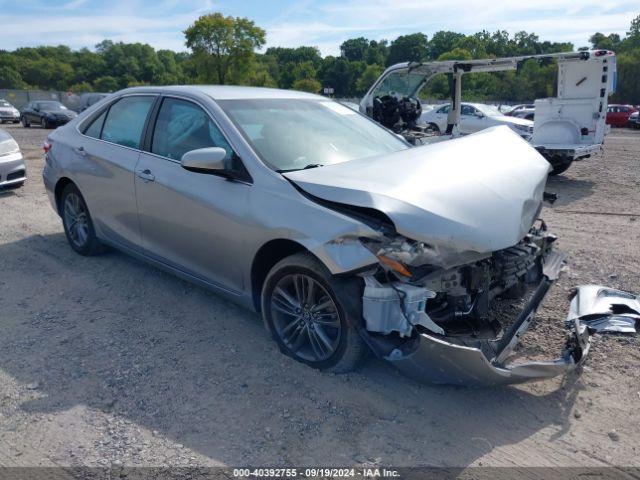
[121, 337]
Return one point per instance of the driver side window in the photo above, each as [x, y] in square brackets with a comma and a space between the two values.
[183, 126]
[467, 110]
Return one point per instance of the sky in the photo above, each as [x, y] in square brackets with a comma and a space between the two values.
[290, 23]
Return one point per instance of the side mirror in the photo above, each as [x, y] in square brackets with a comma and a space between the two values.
[479, 114]
[205, 160]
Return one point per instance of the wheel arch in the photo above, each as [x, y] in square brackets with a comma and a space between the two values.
[59, 188]
[265, 258]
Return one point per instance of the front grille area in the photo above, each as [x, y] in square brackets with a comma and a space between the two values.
[15, 175]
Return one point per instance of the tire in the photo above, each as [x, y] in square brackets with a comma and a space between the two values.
[560, 168]
[25, 123]
[16, 121]
[324, 337]
[434, 127]
[77, 223]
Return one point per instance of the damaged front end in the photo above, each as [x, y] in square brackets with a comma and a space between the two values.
[434, 323]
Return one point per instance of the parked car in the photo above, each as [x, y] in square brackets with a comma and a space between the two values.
[13, 172]
[634, 120]
[618, 115]
[475, 117]
[8, 113]
[526, 111]
[46, 113]
[88, 99]
[339, 233]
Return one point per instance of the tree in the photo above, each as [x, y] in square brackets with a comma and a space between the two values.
[228, 42]
[368, 77]
[443, 42]
[409, 48]
[354, 49]
[9, 78]
[605, 42]
[106, 84]
[307, 85]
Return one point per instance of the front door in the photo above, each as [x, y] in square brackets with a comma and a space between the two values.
[189, 220]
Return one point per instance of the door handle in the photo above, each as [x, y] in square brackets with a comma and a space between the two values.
[146, 175]
[81, 151]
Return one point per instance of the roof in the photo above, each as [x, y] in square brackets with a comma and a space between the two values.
[229, 92]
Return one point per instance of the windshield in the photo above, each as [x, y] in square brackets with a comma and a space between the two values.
[400, 82]
[50, 105]
[292, 134]
[489, 110]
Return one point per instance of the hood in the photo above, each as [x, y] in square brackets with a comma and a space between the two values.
[513, 120]
[479, 193]
[59, 111]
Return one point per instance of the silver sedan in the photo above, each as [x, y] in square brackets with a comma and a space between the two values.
[342, 236]
[13, 172]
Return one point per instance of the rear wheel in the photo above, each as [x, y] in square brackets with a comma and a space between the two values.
[434, 127]
[78, 226]
[309, 314]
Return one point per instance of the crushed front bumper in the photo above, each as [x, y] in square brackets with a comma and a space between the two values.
[432, 358]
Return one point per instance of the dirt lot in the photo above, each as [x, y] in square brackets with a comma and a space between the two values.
[108, 361]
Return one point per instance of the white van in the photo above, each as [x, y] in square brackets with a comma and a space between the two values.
[568, 127]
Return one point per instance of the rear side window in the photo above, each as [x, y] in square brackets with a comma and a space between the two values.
[95, 128]
[444, 109]
[183, 126]
[125, 121]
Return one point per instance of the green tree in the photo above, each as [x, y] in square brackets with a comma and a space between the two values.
[9, 78]
[106, 84]
[368, 77]
[409, 48]
[443, 42]
[354, 49]
[228, 42]
[307, 85]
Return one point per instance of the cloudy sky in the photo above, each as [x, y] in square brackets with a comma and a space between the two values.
[323, 23]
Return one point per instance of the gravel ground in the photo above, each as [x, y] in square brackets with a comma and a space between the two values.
[108, 361]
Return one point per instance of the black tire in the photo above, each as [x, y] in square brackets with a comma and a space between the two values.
[73, 206]
[25, 122]
[16, 121]
[333, 327]
[559, 168]
[434, 127]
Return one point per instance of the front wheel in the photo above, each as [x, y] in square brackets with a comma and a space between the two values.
[559, 168]
[78, 226]
[309, 314]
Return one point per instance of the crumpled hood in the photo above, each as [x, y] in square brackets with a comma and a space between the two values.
[479, 193]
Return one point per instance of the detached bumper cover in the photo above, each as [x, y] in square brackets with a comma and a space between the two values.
[437, 359]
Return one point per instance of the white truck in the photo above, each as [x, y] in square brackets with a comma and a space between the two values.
[568, 127]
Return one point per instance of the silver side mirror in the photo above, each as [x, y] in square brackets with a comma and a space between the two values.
[205, 160]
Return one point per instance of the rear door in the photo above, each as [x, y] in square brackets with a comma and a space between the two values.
[191, 221]
[106, 156]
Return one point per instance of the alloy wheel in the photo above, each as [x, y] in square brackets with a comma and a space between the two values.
[76, 219]
[305, 317]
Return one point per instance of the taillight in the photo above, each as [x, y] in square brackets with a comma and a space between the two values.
[46, 146]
